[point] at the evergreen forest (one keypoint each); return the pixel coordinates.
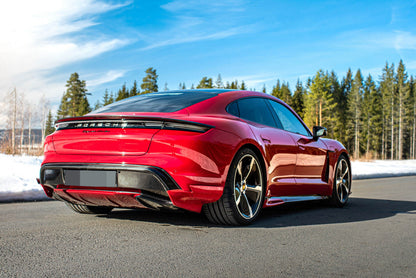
(374, 117)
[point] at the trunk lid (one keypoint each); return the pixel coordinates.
(105, 135)
(115, 135)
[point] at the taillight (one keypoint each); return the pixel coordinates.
(187, 127)
(148, 124)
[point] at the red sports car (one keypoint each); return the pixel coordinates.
(227, 153)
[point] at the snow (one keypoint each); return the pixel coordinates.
(383, 168)
(18, 178)
(18, 175)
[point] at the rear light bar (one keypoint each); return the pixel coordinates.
(183, 126)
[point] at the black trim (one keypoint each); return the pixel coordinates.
(274, 115)
(108, 122)
(326, 176)
(161, 183)
(154, 202)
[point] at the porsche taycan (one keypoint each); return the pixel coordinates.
(225, 153)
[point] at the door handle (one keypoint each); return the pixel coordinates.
(266, 140)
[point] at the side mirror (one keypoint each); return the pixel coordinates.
(318, 131)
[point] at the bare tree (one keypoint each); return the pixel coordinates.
(29, 126)
(12, 118)
(22, 121)
(44, 108)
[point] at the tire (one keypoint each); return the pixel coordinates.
(244, 192)
(89, 209)
(341, 188)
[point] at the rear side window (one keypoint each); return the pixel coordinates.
(232, 108)
(256, 110)
(157, 102)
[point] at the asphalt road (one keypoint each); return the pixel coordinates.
(374, 236)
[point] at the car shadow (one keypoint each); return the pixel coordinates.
(163, 217)
(286, 215)
(318, 213)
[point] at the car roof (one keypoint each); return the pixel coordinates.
(203, 90)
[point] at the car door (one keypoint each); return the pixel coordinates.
(310, 170)
(280, 148)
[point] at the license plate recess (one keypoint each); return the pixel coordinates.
(93, 178)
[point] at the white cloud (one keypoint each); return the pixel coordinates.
(404, 40)
(186, 38)
(108, 77)
(196, 20)
(252, 81)
(398, 40)
(205, 6)
(38, 37)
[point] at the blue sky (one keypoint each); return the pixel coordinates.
(110, 43)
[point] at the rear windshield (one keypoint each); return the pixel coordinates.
(157, 102)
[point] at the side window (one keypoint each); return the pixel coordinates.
(256, 110)
(232, 108)
(289, 121)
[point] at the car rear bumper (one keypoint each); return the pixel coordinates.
(122, 185)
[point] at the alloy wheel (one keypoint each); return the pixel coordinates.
(248, 186)
(343, 180)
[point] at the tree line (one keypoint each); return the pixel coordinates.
(23, 117)
(372, 118)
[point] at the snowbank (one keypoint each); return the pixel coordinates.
(383, 168)
(18, 175)
(18, 178)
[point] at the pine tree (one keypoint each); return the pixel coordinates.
(122, 93)
(264, 89)
(134, 91)
(276, 90)
(298, 99)
(74, 101)
(412, 117)
(234, 85)
(182, 86)
(319, 104)
(166, 87)
(387, 87)
(376, 119)
(282, 92)
(49, 125)
(371, 119)
(149, 84)
(409, 110)
(218, 83)
(97, 105)
(286, 93)
(354, 110)
(335, 90)
(344, 118)
(106, 98)
(243, 86)
(205, 83)
(402, 92)
(111, 98)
